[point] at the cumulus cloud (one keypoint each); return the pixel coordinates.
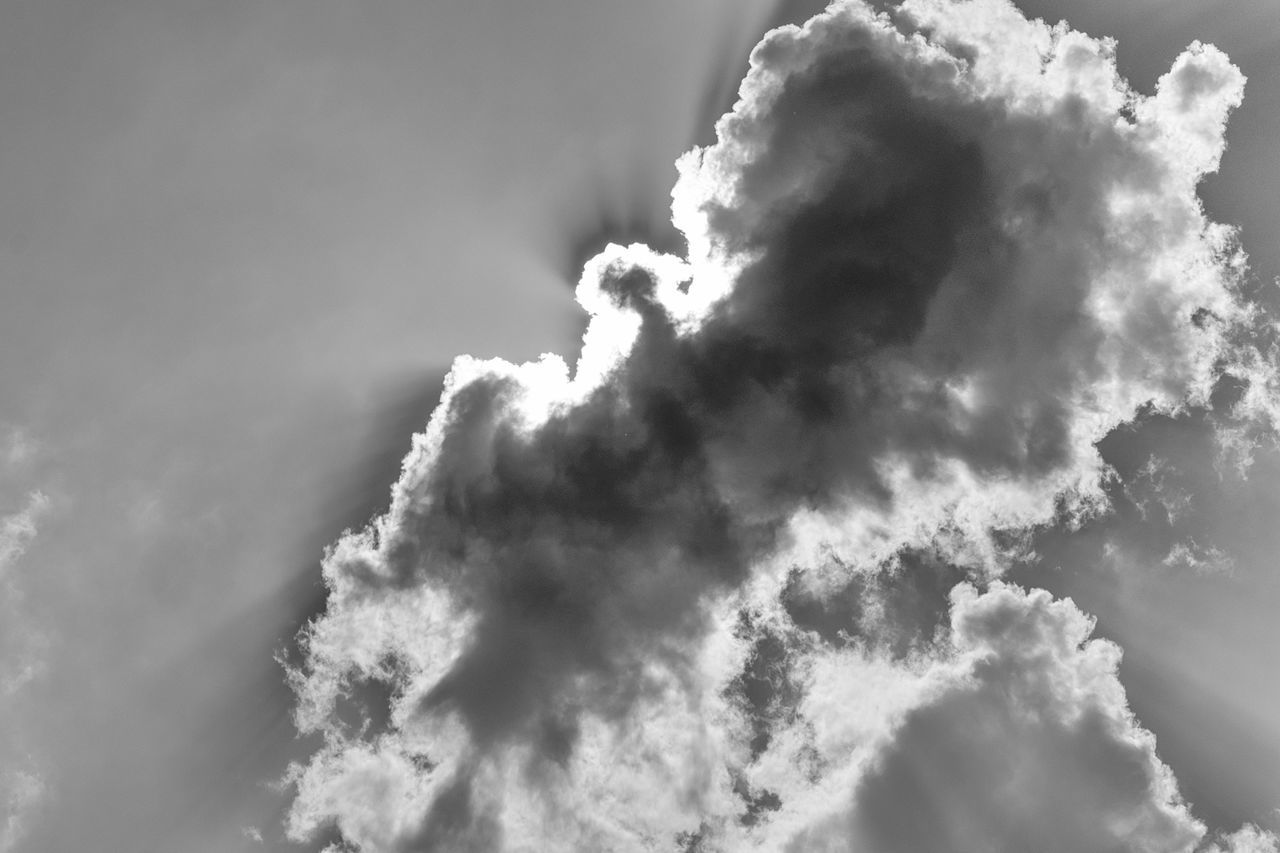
(1025, 744)
(933, 257)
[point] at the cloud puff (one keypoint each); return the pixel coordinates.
(1248, 839)
(16, 532)
(933, 257)
(1029, 745)
(1012, 733)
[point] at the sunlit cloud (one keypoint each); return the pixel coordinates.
(935, 256)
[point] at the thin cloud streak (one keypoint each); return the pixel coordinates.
(23, 786)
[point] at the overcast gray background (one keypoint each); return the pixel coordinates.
(240, 242)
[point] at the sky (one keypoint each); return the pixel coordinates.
(767, 571)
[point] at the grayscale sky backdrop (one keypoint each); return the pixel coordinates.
(240, 242)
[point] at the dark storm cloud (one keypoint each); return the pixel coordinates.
(924, 277)
(578, 546)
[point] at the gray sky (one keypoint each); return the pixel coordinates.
(240, 242)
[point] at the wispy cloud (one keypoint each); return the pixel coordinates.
(21, 784)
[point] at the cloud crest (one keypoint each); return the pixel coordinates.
(1029, 746)
(933, 257)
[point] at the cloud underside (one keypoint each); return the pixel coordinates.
(934, 256)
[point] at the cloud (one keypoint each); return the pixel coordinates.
(1023, 741)
(21, 791)
(21, 785)
(20, 662)
(932, 258)
(1028, 746)
(1248, 839)
(1181, 571)
(1012, 733)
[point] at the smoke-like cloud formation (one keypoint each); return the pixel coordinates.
(21, 643)
(934, 256)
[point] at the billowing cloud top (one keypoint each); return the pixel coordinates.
(933, 257)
